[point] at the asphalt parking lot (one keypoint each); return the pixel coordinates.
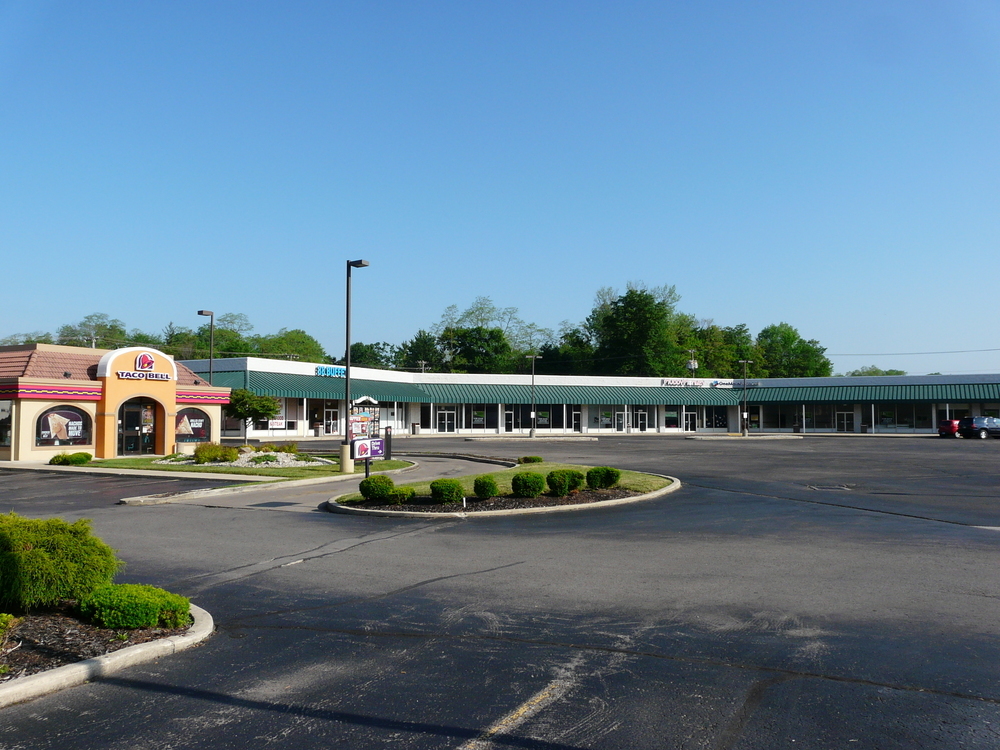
(816, 593)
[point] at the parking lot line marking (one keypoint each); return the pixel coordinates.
(548, 694)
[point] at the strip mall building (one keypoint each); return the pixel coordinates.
(125, 402)
(312, 401)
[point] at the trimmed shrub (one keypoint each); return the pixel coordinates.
(378, 487)
(400, 495)
(70, 459)
(272, 448)
(602, 477)
(486, 487)
(132, 605)
(304, 457)
(530, 460)
(207, 453)
(564, 481)
(527, 484)
(43, 562)
(289, 448)
(264, 458)
(447, 490)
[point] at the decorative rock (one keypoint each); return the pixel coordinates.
(246, 449)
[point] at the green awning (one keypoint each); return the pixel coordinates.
(944, 393)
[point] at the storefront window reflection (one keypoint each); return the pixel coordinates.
(63, 425)
(193, 426)
(5, 423)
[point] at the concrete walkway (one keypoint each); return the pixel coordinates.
(305, 496)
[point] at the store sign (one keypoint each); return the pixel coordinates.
(331, 371)
(360, 425)
(276, 424)
(371, 448)
(143, 370)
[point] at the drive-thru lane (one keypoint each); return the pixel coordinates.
(711, 618)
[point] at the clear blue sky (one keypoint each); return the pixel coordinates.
(832, 165)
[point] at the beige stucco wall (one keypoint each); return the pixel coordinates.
(25, 414)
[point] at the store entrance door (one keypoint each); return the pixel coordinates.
(619, 421)
(690, 421)
(330, 420)
(508, 421)
(137, 428)
(446, 421)
(845, 421)
(640, 421)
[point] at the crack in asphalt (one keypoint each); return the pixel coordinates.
(734, 729)
(700, 661)
(234, 624)
(831, 504)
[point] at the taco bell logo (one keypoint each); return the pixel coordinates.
(144, 362)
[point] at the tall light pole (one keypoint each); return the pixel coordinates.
(211, 343)
(532, 357)
(745, 421)
(346, 462)
(692, 363)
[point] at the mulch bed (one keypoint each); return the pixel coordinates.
(53, 637)
(474, 504)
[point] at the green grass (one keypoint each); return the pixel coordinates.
(263, 470)
(630, 480)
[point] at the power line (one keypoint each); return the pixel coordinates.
(908, 354)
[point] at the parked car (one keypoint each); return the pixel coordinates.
(948, 428)
(980, 427)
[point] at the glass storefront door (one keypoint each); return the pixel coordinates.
(445, 421)
(137, 428)
(619, 421)
(690, 421)
(330, 421)
(845, 421)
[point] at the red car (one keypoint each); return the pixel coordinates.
(948, 428)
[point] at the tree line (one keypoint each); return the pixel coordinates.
(638, 332)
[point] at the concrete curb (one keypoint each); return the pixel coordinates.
(171, 497)
(546, 439)
(332, 506)
(740, 437)
(145, 473)
(37, 685)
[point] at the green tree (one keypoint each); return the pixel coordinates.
(248, 407)
(421, 353)
(34, 337)
(636, 336)
(97, 331)
(290, 344)
(475, 349)
(873, 370)
(786, 354)
(380, 355)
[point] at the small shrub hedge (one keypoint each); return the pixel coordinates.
(272, 448)
(264, 458)
(6, 623)
(530, 460)
(447, 490)
(70, 459)
(527, 484)
(131, 605)
(564, 481)
(208, 453)
(602, 477)
(401, 495)
(45, 561)
(378, 487)
(485, 487)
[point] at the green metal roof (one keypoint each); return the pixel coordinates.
(952, 393)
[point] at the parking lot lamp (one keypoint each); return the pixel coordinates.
(346, 462)
(211, 342)
(745, 420)
(532, 357)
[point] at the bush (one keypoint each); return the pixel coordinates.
(70, 459)
(400, 495)
(43, 562)
(132, 605)
(564, 481)
(305, 457)
(272, 448)
(289, 448)
(530, 460)
(486, 487)
(602, 477)
(527, 484)
(264, 458)
(6, 623)
(447, 490)
(378, 487)
(207, 453)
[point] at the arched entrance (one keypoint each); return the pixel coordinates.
(138, 427)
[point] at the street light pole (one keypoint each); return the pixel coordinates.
(346, 462)
(211, 343)
(745, 415)
(532, 357)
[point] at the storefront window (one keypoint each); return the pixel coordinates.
(63, 425)
(672, 416)
(5, 423)
(193, 426)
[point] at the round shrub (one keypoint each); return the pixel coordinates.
(43, 562)
(602, 477)
(401, 495)
(378, 487)
(447, 490)
(207, 453)
(264, 458)
(530, 460)
(70, 459)
(564, 481)
(527, 484)
(131, 605)
(486, 487)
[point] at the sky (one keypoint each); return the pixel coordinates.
(832, 165)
